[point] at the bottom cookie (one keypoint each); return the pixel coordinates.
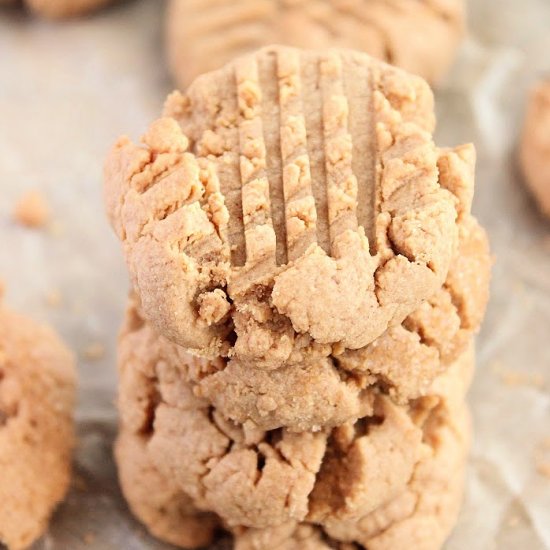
(37, 383)
(388, 481)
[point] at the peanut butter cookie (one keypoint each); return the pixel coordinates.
(419, 36)
(291, 200)
(37, 387)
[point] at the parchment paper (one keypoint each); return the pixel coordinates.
(68, 90)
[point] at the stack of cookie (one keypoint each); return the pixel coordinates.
(307, 280)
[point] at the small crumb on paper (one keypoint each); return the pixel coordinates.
(79, 483)
(32, 210)
(513, 521)
(54, 298)
(542, 458)
(56, 229)
(515, 378)
(94, 351)
(88, 538)
(543, 469)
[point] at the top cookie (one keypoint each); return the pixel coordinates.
(419, 36)
(292, 198)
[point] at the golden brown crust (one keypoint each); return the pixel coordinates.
(236, 223)
(535, 146)
(421, 37)
(37, 387)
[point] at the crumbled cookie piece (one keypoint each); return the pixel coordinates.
(320, 215)
(421, 37)
(94, 351)
(32, 210)
(37, 387)
(535, 145)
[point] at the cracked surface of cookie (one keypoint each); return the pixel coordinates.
(535, 146)
(292, 199)
(245, 475)
(37, 387)
(419, 515)
(394, 474)
(419, 36)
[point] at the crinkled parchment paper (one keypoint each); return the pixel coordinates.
(67, 91)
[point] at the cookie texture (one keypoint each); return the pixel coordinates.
(535, 146)
(290, 200)
(37, 387)
(419, 36)
(393, 474)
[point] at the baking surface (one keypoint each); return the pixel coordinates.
(68, 90)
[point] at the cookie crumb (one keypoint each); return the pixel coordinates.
(542, 458)
(54, 298)
(543, 468)
(94, 351)
(56, 229)
(213, 306)
(88, 538)
(32, 210)
(513, 521)
(515, 378)
(79, 483)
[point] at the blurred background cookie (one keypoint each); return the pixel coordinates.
(60, 9)
(37, 393)
(419, 36)
(535, 145)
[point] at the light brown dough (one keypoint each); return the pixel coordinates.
(291, 200)
(535, 145)
(394, 474)
(419, 36)
(37, 387)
